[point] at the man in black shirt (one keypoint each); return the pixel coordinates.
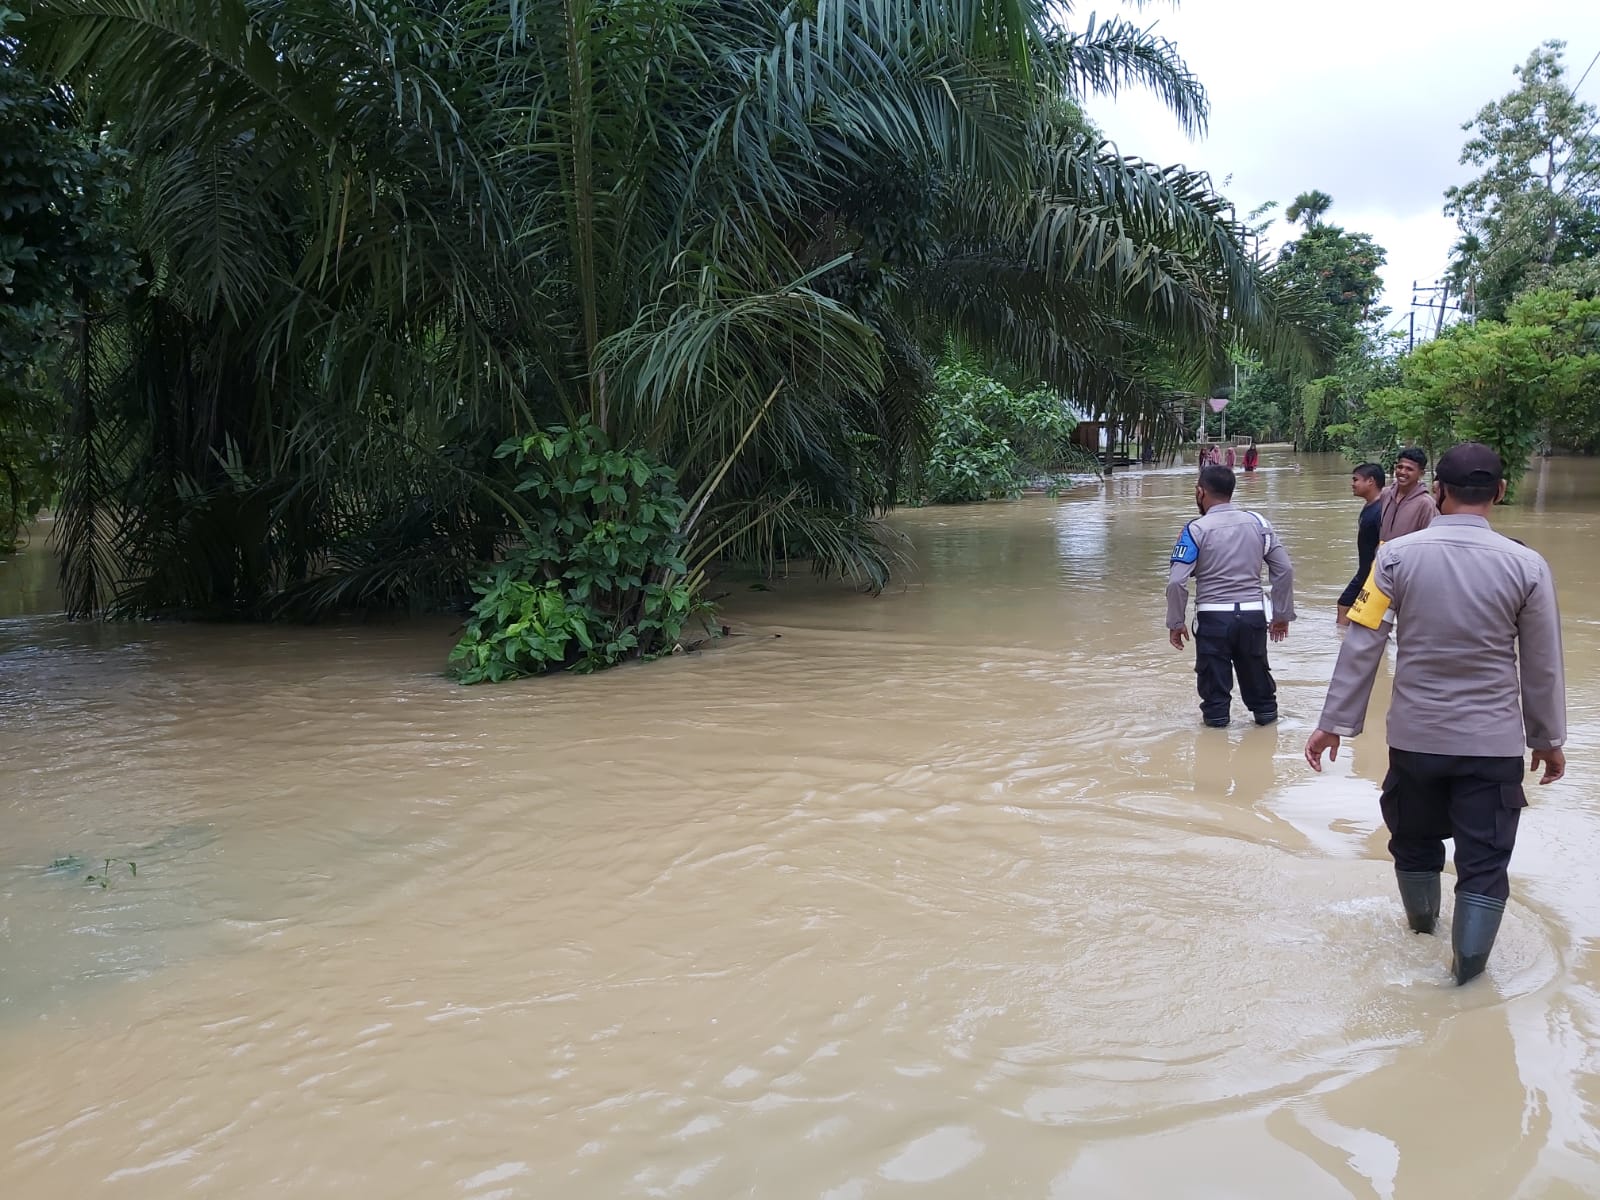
(1366, 482)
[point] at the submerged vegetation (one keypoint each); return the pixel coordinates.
(598, 577)
(101, 878)
(991, 441)
(344, 252)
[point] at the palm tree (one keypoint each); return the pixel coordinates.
(1310, 207)
(374, 242)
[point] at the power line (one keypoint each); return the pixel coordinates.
(1586, 70)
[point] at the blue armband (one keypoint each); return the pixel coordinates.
(1186, 551)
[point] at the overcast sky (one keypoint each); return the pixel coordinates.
(1363, 99)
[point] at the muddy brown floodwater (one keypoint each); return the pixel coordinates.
(940, 894)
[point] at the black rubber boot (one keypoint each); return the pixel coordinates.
(1476, 924)
(1419, 892)
(1266, 718)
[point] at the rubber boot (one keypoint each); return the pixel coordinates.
(1476, 924)
(1419, 892)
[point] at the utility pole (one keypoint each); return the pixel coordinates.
(1441, 287)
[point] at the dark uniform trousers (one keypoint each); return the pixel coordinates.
(1228, 642)
(1477, 801)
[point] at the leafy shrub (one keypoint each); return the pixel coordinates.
(598, 577)
(990, 442)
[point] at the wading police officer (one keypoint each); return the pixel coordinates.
(1223, 550)
(1478, 630)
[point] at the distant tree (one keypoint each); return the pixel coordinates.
(1309, 207)
(1531, 218)
(1341, 270)
(1337, 272)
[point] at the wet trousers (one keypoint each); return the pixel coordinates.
(1226, 643)
(1476, 801)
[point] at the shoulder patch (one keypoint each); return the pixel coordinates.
(1187, 550)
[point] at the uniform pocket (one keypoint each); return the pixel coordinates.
(1512, 801)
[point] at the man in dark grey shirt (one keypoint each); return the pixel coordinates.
(1478, 676)
(1223, 552)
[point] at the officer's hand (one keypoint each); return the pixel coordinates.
(1554, 763)
(1318, 742)
(1178, 637)
(1280, 630)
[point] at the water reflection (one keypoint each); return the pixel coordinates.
(28, 575)
(942, 891)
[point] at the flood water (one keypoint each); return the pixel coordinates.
(939, 894)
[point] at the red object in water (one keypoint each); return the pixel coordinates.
(1251, 457)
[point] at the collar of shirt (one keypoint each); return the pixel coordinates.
(1470, 520)
(1225, 506)
(1400, 497)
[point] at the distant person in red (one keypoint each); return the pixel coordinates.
(1251, 457)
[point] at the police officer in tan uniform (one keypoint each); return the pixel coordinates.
(1223, 551)
(1478, 676)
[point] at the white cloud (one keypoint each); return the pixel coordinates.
(1364, 100)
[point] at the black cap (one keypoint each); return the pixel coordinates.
(1471, 464)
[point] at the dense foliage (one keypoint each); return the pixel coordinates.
(727, 236)
(57, 246)
(1532, 379)
(991, 441)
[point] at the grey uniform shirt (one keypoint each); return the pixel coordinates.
(1224, 551)
(1470, 602)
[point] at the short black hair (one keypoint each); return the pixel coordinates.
(1370, 471)
(1475, 494)
(1415, 454)
(1217, 481)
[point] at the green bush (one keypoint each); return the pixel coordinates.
(990, 442)
(598, 577)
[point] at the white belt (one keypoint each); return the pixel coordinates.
(1241, 606)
